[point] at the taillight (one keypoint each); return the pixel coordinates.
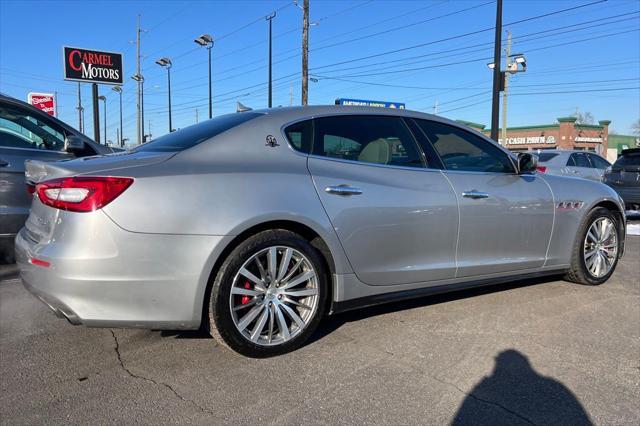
(81, 194)
(541, 169)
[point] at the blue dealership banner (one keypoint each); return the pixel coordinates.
(363, 102)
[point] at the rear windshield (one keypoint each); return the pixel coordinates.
(546, 156)
(628, 159)
(193, 135)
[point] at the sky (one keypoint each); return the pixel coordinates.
(421, 53)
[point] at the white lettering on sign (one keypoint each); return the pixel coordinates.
(583, 139)
(529, 140)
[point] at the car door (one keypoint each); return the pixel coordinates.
(396, 218)
(599, 164)
(506, 219)
(22, 137)
(578, 165)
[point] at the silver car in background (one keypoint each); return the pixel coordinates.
(582, 164)
(255, 225)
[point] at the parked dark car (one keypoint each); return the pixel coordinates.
(26, 133)
(624, 177)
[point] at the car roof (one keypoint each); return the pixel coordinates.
(630, 151)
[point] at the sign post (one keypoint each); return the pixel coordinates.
(93, 66)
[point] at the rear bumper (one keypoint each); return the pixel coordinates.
(109, 277)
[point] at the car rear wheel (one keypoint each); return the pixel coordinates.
(269, 294)
(596, 250)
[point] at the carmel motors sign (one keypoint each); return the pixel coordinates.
(530, 140)
(92, 66)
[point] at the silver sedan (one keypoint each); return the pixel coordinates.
(255, 225)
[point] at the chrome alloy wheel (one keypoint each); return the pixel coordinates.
(274, 295)
(601, 247)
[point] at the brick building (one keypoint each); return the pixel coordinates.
(565, 134)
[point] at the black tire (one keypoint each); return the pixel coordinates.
(220, 322)
(579, 273)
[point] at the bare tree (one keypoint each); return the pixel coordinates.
(635, 127)
(584, 117)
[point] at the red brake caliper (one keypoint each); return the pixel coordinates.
(246, 298)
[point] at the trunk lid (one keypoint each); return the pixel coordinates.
(38, 171)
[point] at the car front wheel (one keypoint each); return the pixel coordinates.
(597, 248)
(269, 294)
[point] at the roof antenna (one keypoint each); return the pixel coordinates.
(242, 108)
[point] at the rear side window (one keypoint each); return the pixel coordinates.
(367, 139)
(300, 136)
(543, 157)
(193, 135)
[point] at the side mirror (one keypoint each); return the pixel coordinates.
(527, 162)
(73, 144)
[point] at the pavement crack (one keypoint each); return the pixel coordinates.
(139, 377)
(485, 401)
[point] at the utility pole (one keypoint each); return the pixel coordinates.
(79, 108)
(435, 107)
(291, 95)
(196, 115)
(497, 74)
(270, 19)
(507, 63)
(118, 140)
(305, 52)
(140, 124)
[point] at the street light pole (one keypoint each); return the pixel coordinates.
(166, 63)
(497, 75)
(104, 102)
(118, 90)
(140, 79)
(205, 40)
(270, 19)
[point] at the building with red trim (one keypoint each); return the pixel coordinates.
(565, 134)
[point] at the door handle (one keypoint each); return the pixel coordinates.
(4, 163)
(475, 194)
(343, 190)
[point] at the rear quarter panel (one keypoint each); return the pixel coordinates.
(224, 186)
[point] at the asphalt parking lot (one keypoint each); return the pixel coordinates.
(536, 352)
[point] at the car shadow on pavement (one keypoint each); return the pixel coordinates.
(334, 322)
(515, 393)
(331, 323)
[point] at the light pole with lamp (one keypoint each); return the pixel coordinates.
(166, 63)
(104, 102)
(118, 90)
(515, 63)
(205, 40)
(139, 78)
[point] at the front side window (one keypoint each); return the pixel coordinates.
(579, 159)
(20, 129)
(461, 150)
(367, 139)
